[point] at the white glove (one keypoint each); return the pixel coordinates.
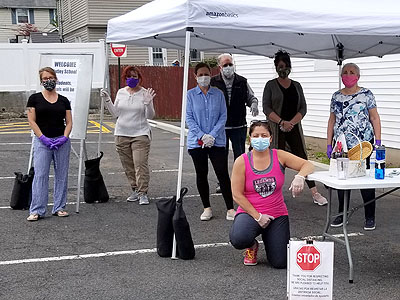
(149, 95)
(297, 185)
(264, 220)
(254, 109)
(105, 94)
(208, 140)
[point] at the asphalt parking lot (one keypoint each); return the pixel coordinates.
(107, 250)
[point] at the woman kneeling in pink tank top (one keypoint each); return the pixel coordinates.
(257, 180)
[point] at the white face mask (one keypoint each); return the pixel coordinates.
(204, 81)
(228, 71)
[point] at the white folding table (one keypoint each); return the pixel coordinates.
(347, 185)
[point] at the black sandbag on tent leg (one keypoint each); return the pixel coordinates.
(94, 188)
(22, 191)
(184, 242)
(165, 229)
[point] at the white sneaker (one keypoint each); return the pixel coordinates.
(319, 199)
(143, 199)
(230, 214)
(206, 215)
(133, 197)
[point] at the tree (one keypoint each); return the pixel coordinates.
(26, 29)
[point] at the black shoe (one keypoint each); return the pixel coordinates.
(218, 189)
(369, 224)
(337, 222)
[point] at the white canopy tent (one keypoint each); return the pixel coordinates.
(334, 30)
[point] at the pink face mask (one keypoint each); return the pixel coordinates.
(349, 80)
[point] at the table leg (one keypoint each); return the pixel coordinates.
(328, 214)
(346, 238)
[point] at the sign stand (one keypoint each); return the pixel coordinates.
(310, 270)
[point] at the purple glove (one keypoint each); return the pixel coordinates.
(378, 142)
(58, 142)
(329, 151)
(46, 141)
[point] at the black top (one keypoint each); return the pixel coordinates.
(290, 101)
(50, 116)
(236, 108)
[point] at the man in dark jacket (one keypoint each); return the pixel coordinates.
(238, 94)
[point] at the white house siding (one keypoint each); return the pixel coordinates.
(80, 35)
(74, 15)
(319, 80)
(8, 30)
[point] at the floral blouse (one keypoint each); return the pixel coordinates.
(352, 116)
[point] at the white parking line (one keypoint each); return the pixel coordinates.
(127, 252)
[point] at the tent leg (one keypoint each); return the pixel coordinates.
(183, 121)
(79, 175)
(105, 86)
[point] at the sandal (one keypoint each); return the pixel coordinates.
(61, 213)
(33, 217)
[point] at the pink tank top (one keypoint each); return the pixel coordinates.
(263, 188)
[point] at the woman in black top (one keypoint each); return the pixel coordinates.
(50, 118)
(285, 106)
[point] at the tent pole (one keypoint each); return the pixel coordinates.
(183, 121)
(105, 86)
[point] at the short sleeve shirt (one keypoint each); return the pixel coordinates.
(50, 117)
(352, 116)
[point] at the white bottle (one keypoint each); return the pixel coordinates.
(372, 160)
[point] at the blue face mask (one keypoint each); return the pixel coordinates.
(260, 144)
(132, 82)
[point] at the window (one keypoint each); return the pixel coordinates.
(53, 16)
(22, 15)
(157, 57)
(195, 55)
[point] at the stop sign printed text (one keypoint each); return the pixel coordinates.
(308, 258)
(118, 50)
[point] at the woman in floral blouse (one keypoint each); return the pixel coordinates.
(353, 112)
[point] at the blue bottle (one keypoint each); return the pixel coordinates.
(380, 162)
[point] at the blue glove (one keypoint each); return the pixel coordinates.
(46, 141)
(378, 142)
(59, 142)
(329, 151)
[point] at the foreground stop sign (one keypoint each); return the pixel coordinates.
(118, 50)
(308, 258)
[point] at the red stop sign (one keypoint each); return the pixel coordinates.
(308, 258)
(118, 50)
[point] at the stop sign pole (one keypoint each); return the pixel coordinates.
(118, 50)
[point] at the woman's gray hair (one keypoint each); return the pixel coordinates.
(352, 65)
(219, 58)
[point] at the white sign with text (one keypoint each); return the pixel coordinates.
(310, 270)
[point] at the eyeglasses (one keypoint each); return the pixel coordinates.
(227, 65)
(258, 121)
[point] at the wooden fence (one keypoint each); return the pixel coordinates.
(166, 81)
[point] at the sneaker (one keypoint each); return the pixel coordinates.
(206, 215)
(218, 189)
(230, 214)
(143, 199)
(319, 199)
(133, 197)
(369, 224)
(250, 256)
(337, 222)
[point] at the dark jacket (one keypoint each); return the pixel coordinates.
(236, 110)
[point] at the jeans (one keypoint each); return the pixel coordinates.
(238, 140)
(276, 236)
(219, 162)
(42, 157)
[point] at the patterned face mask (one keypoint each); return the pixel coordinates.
(49, 84)
(283, 72)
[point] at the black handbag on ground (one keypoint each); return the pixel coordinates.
(184, 242)
(22, 191)
(94, 188)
